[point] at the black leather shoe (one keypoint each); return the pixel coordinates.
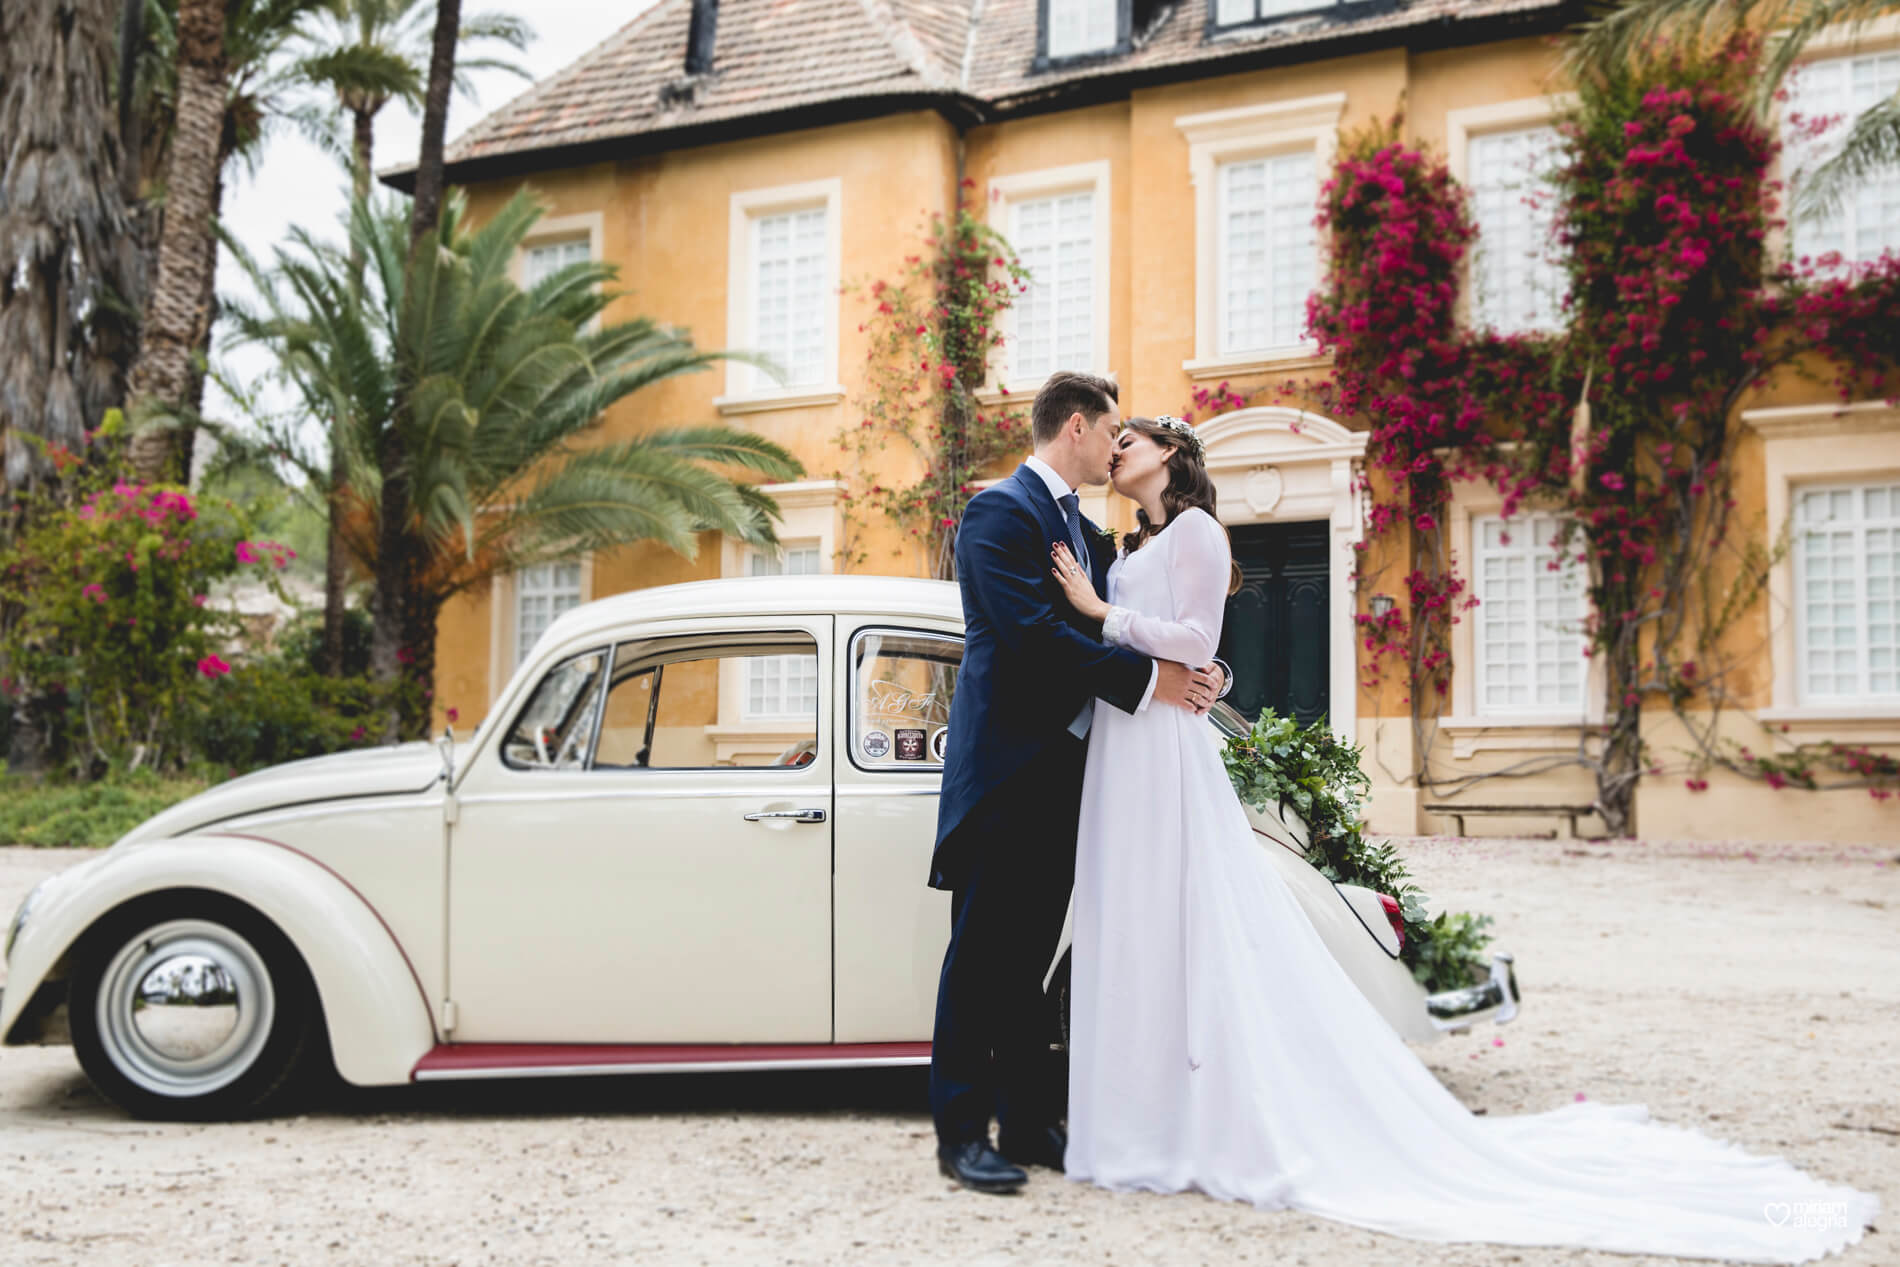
(977, 1166)
(1043, 1147)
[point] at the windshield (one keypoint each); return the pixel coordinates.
(1229, 722)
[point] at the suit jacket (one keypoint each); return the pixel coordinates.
(1030, 661)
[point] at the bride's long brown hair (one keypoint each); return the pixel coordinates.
(1188, 486)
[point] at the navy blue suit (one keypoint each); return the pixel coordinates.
(1006, 819)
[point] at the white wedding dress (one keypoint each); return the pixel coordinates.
(1217, 1045)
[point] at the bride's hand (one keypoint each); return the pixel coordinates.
(1075, 584)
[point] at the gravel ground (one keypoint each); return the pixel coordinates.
(1751, 991)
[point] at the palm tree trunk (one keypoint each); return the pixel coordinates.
(419, 624)
(207, 317)
(396, 557)
(336, 563)
(435, 119)
(162, 375)
(388, 606)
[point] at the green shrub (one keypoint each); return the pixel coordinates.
(274, 709)
(1309, 769)
(110, 634)
(36, 813)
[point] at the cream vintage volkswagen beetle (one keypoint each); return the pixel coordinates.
(691, 835)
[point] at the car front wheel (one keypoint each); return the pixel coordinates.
(192, 1006)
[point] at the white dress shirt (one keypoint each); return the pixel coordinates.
(1058, 489)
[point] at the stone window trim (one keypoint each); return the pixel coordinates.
(1881, 35)
(1465, 724)
(749, 390)
(1245, 132)
(1473, 121)
(1823, 443)
(1095, 176)
(811, 512)
(501, 624)
(590, 226)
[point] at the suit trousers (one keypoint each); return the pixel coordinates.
(991, 1050)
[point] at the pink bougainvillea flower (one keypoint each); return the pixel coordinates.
(96, 592)
(247, 553)
(213, 666)
(453, 716)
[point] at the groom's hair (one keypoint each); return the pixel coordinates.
(1067, 392)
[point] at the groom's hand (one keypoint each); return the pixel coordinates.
(1192, 689)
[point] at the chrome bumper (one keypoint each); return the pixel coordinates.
(1457, 1009)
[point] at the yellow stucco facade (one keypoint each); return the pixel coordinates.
(667, 221)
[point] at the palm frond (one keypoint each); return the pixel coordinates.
(1871, 147)
(728, 446)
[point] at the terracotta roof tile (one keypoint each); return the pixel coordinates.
(773, 55)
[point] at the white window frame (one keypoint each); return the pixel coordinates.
(753, 554)
(590, 226)
(811, 512)
(1522, 523)
(1872, 39)
(1461, 126)
(1051, 53)
(1005, 193)
(1823, 443)
(502, 618)
(1224, 136)
(749, 390)
(1469, 729)
(1862, 692)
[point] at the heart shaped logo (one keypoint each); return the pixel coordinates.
(1777, 1212)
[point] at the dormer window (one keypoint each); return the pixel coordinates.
(1083, 28)
(1225, 15)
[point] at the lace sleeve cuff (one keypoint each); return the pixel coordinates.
(1115, 625)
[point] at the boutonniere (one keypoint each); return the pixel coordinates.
(1108, 537)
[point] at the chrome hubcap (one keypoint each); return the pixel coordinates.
(185, 1007)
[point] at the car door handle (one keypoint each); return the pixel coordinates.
(796, 815)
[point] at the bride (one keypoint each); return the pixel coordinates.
(1217, 1045)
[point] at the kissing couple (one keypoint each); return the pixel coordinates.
(1215, 1043)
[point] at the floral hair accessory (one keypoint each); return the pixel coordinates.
(1190, 438)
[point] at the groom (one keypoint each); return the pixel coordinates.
(1012, 782)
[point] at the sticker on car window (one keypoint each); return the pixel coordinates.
(877, 744)
(910, 745)
(940, 742)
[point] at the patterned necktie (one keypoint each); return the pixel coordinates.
(1072, 512)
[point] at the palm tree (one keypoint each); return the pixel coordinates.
(260, 98)
(368, 53)
(174, 310)
(1869, 145)
(66, 337)
(474, 399)
(426, 210)
(72, 279)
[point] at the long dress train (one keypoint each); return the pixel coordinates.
(1217, 1045)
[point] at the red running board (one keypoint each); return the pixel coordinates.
(544, 1060)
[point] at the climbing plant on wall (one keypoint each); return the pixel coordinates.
(1624, 422)
(931, 332)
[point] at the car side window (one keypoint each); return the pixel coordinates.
(706, 703)
(902, 682)
(556, 729)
